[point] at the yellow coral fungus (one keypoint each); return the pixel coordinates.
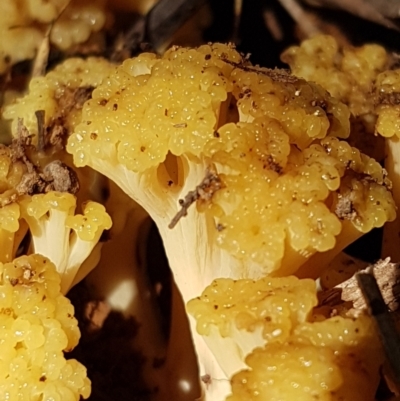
(33, 338)
(348, 74)
(51, 220)
(60, 94)
(335, 359)
(259, 151)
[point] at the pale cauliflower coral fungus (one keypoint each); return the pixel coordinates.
(37, 325)
(280, 185)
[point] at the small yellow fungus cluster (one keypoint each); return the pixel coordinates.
(37, 325)
(387, 88)
(36, 320)
(348, 74)
(289, 355)
(23, 25)
(11, 233)
(66, 239)
(274, 305)
(333, 360)
(60, 94)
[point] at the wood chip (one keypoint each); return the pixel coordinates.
(388, 278)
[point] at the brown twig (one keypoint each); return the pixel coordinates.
(276, 74)
(41, 129)
(204, 191)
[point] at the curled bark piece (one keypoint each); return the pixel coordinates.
(387, 275)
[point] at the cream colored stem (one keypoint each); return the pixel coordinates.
(194, 260)
(194, 264)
